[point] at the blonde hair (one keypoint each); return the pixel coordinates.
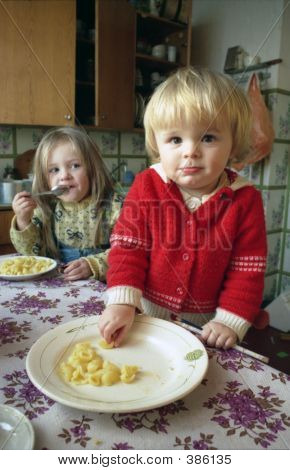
(199, 94)
(101, 185)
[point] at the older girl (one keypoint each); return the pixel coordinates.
(75, 227)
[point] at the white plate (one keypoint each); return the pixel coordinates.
(157, 347)
(16, 431)
(27, 277)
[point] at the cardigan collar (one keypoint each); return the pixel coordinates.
(229, 182)
(233, 180)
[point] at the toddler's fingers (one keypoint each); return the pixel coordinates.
(108, 332)
(211, 339)
(221, 341)
(120, 335)
(230, 342)
(206, 331)
(101, 326)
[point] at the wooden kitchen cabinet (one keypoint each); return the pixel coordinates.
(115, 66)
(5, 222)
(67, 62)
(40, 83)
(37, 56)
(105, 64)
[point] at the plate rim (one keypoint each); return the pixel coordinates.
(23, 419)
(106, 407)
(24, 277)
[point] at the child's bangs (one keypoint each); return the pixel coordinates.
(185, 109)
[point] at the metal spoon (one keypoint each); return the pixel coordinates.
(55, 191)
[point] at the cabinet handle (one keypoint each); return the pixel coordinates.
(67, 117)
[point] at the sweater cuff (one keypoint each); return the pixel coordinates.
(123, 295)
(94, 267)
(29, 228)
(236, 323)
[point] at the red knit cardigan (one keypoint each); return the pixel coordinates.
(191, 261)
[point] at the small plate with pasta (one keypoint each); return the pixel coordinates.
(24, 268)
(166, 360)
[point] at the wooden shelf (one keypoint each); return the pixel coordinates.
(250, 68)
(154, 62)
(156, 20)
(156, 27)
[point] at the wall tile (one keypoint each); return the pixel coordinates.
(273, 80)
(28, 138)
(274, 203)
(111, 163)
(276, 165)
(246, 172)
(252, 173)
(279, 105)
(135, 164)
(132, 144)
(6, 140)
(270, 289)
(274, 252)
(288, 216)
(5, 162)
(286, 263)
(93, 135)
(108, 142)
(256, 172)
(285, 283)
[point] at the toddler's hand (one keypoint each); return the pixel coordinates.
(77, 269)
(115, 322)
(218, 335)
(23, 205)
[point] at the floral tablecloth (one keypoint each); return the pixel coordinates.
(241, 403)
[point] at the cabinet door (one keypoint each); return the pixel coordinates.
(115, 52)
(5, 222)
(37, 57)
(6, 246)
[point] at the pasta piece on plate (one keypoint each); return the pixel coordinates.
(86, 366)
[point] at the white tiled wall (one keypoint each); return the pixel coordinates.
(275, 186)
(132, 144)
(279, 105)
(274, 252)
(271, 285)
(274, 203)
(4, 162)
(6, 141)
(276, 167)
(108, 142)
(28, 138)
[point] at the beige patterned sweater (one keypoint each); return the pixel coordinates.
(74, 226)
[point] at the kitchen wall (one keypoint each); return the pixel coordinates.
(116, 147)
(260, 27)
(220, 24)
